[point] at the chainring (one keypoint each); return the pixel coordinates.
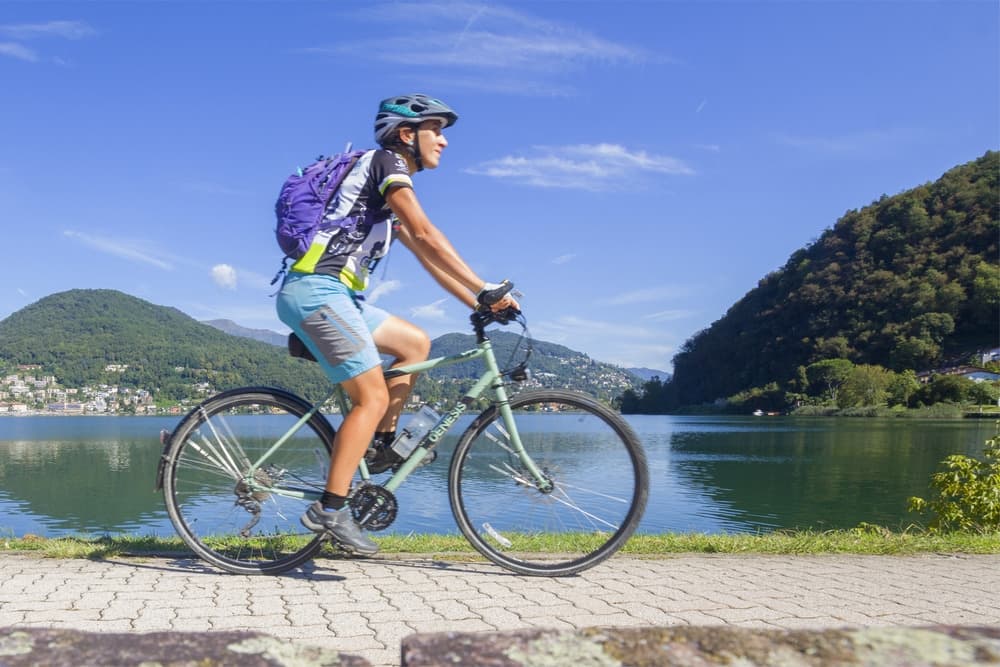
(374, 507)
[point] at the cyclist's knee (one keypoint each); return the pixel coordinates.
(368, 392)
(421, 345)
(407, 342)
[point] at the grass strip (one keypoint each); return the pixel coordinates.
(867, 540)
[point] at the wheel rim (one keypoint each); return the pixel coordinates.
(598, 486)
(240, 522)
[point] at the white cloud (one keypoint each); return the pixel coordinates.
(583, 166)
(621, 343)
(669, 315)
(501, 84)
(63, 29)
(432, 311)
(29, 31)
(383, 288)
(492, 47)
(18, 51)
(135, 251)
(564, 259)
(224, 276)
(487, 36)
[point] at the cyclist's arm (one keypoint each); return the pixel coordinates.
(446, 281)
(428, 243)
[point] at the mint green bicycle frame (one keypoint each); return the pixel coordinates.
(491, 378)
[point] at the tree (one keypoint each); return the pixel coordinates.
(946, 388)
(652, 400)
(866, 385)
(902, 387)
(826, 377)
(985, 393)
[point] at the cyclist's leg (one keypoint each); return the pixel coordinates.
(369, 400)
(327, 317)
(408, 344)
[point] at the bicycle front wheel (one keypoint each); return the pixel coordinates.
(569, 502)
(243, 522)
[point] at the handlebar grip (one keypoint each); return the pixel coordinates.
(490, 297)
(506, 316)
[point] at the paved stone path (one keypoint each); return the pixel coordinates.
(366, 607)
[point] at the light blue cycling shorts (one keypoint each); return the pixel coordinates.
(333, 322)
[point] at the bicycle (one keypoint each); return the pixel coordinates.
(240, 468)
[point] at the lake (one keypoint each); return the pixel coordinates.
(94, 475)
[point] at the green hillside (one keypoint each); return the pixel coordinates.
(909, 282)
(552, 365)
(88, 338)
(76, 335)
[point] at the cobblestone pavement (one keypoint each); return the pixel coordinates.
(366, 607)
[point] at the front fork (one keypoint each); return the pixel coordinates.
(502, 403)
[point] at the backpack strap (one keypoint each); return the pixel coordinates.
(340, 181)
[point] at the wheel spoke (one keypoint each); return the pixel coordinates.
(243, 522)
(590, 499)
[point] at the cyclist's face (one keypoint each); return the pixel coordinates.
(430, 134)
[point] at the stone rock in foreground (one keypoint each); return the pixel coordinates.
(28, 647)
(708, 646)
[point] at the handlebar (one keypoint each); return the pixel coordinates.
(490, 297)
(485, 315)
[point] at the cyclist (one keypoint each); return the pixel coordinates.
(320, 298)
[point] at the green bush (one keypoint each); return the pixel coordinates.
(966, 493)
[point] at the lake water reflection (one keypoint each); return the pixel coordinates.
(94, 475)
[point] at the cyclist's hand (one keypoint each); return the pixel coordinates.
(493, 295)
(507, 303)
(499, 299)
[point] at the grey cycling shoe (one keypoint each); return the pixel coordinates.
(341, 527)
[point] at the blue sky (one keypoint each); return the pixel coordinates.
(635, 167)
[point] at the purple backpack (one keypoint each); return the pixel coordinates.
(304, 199)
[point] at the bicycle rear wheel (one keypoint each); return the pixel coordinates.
(244, 524)
(595, 489)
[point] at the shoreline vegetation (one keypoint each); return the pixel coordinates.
(937, 411)
(864, 540)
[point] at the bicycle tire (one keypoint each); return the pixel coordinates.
(206, 463)
(598, 474)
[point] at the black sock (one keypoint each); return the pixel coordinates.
(331, 501)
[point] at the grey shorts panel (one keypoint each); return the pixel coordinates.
(337, 340)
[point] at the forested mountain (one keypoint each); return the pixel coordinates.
(907, 282)
(95, 337)
(77, 335)
(551, 365)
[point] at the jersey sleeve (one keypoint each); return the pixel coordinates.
(389, 170)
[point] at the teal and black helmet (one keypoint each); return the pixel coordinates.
(408, 109)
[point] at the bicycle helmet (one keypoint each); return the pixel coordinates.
(411, 109)
(414, 108)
